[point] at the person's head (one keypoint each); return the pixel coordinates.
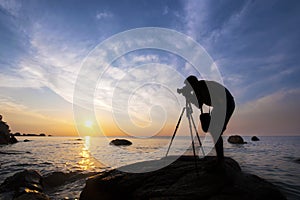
(191, 80)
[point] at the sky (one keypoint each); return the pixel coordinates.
(44, 45)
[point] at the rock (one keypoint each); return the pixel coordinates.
(25, 182)
(32, 196)
(119, 142)
(180, 180)
(254, 138)
(26, 140)
(5, 136)
(12, 139)
(236, 139)
(4, 133)
(55, 179)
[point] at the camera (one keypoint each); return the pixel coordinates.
(185, 91)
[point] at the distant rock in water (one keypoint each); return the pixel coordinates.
(26, 140)
(180, 180)
(254, 138)
(5, 136)
(120, 142)
(236, 139)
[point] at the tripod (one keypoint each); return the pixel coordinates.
(189, 111)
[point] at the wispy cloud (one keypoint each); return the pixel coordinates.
(11, 6)
(103, 15)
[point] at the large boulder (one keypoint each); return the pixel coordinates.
(254, 138)
(5, 136)
(23, 185)
(236, 139)
(120, 142)
(180, 180)
(4, 133)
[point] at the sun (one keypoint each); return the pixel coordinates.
(88, 123)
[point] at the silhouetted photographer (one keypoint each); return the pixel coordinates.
(221, 106)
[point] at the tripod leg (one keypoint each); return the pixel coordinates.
(177, 125)
(197, 135)
(191, 132)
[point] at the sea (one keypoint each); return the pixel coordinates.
(274, 158)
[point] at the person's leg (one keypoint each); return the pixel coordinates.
(229, 111)
(219, 149)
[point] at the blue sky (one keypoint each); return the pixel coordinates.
(256, 45)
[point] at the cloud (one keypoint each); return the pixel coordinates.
(166, 10)
(250, 42)
(104, 15)
(11, 6)
(275, 114)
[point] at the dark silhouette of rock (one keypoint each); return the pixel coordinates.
(30, 185)
(254, 138)
(120, 142)
(32, 196)
(5, 136)
(236, 139)
(23, 185)
(26, 140)
(17, 134)
(4, 133)
(180, 180)
(34, 135)
(55, 179)
(12, 139)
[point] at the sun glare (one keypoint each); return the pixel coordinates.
(88, 123)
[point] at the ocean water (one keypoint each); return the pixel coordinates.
(275, 159)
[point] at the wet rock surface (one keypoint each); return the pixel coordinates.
(23, 185)
(31, 185)
(181, 180)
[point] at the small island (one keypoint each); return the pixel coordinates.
(31, 134)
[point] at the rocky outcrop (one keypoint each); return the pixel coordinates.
(30, 185)
(236, 139)
(23, 185)
(5, 136)
(120, 142)
(181, 180)
(12, 139)
(254, 138)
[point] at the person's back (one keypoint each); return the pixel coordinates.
(212, 93)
